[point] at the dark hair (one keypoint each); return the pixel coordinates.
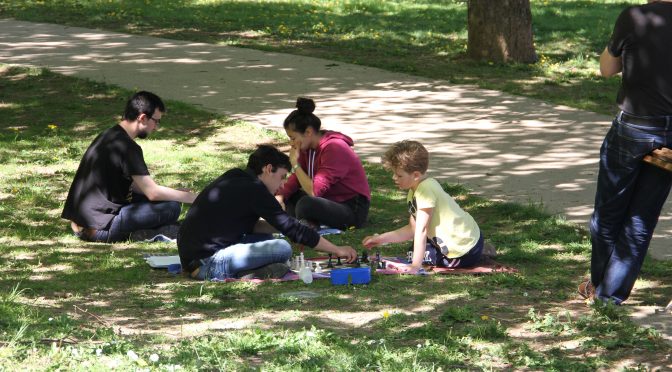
(143, 103)
(409, 156)
(300, 119)
(267, 154)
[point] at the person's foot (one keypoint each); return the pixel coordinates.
(271, 271)
(166, 233)
(586, 290)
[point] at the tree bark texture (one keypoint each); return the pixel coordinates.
(500, 31)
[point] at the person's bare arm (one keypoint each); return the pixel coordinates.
(610, 65)
(301, 175)
(155, 192)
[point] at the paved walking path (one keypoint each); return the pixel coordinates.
(502, 146)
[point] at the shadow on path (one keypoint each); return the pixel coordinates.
(502, 146)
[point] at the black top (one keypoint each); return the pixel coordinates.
(643, 37)
(102, 184)
(227, 209)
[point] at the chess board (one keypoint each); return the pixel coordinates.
(323, 261)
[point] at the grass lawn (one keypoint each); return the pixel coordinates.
(424, 37)
(71, 305)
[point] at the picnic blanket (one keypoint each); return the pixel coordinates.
(394, 266)
(486, 266)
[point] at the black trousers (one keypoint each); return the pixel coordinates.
(321, 211)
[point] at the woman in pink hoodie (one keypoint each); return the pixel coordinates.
(328, 185)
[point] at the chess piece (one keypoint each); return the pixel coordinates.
(409, 256)
(329, 263)
(365, 257)
(318, 268)
(357, 263)
(306, 275)
(338, 262)
(378, 256)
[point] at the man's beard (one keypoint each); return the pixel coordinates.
(143, 134)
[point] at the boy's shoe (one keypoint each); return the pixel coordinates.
(586, 290)
(271, 271)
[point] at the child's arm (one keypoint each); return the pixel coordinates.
(399, 235)
(422, 218)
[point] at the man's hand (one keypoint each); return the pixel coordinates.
(348, 253)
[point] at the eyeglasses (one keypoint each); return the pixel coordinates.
(157, 121)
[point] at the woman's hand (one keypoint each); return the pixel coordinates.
(294, 155)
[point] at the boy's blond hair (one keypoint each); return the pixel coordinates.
(409, 156)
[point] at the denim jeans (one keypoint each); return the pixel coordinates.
(630, 195)
(140, 214)
(321, 211)
(229, 261)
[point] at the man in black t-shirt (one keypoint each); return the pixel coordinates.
(630, 194)
(223, 236)
(112, 196)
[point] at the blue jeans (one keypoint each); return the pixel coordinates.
(630, 195)
(253, 252)
(140, 214)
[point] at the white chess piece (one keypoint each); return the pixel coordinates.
(318, 268)
(306, 275)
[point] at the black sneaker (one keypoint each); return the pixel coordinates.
(166, 233)
(271, 271)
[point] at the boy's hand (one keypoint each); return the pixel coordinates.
(348, 253)
(371, 241)
(415, 270)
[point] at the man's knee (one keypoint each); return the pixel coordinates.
(284, 248)
(172, 210)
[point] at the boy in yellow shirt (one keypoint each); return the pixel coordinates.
(442, 232)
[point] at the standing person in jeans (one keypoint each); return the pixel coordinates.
(630, 194)
(223, 236)
(329, 185)
(112, 197)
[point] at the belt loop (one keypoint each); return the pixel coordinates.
(619, 116)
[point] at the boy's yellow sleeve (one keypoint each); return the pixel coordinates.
(424, 196)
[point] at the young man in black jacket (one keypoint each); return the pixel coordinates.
(223, 235)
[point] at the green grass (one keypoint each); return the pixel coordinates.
(426, 38)
(71, 305)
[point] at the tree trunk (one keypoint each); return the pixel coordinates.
(500, 31)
